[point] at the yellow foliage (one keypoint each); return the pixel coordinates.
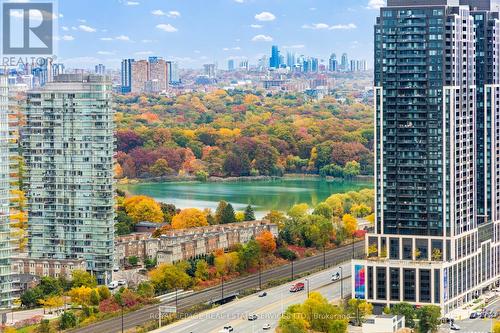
(52, 302)
(189, 218)
(80, 295)
(143, 208)
(226, 263)
(350, 223)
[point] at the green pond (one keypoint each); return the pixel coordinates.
(264, 195)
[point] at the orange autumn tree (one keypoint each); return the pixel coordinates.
(143, 208)
(266, 241)
(189, 218)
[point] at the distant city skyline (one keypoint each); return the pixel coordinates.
(235, 29)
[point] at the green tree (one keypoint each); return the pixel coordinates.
(133, 261)
(352, 169)
(228, 215)
(44, 327)
(292, 321)
(104, 292)
(201, 270)
(323, 210)
(219, 211)
(167, 277)
(146, 289)
(407, 310)
(83, 278)
(359, 309)
(298, 211)
(68, 320)
(50, 286)
(249, 255)
(30, 297)
(94, 297)
(428, 318)
(249, 213)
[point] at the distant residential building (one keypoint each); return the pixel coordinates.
(230, 65)
(100, 69)
(210, 70)
(69, 171)
(290, 59)
(158, 73)
(177, 245)
(126, 75)
(44, 267)
(140, 75)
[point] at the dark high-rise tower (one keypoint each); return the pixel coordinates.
(274, 61)
(437, 140)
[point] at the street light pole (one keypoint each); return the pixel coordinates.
(260, 276)
(292, 269)
(122, 318)
(341, 282)
(324, 257)
(352, 246)
(307, 280)
(222, 287)
(176, 297)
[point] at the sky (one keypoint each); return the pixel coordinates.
(194, 32)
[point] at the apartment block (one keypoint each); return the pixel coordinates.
(437, 145)
(68, 148)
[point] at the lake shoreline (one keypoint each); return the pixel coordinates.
(213, 179)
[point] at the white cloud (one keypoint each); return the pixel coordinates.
(132, 3)
(68, 38)
(236, 48)
(349, 26)
(296, 46)
(313, 9)
(86, 28)
(256, 26)
(105, 52)
(239, 1)
(324, 26)
(82, 20)
(123, 38)
(375, 4)
(139, 53)
(65, 28)
(158, 12)
(166, 27)
(106, 38)
(174, 14)
(265, 16)
(147, 41)
(262, 38)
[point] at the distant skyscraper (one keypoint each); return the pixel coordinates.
(344, 62)
(274, 61)
(314, 65)
(353, 67)
(210, 70)
(332, 63)
(290, 59)
(126, 75)
(69, 172)
(57, 69)
(100, 69)
(5, 187)
(230, 65)
(173, 72)
(244, 65)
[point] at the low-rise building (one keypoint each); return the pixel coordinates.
(177, 245)
(47, 267)
(383, 324)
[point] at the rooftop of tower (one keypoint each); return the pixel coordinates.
(493, 5)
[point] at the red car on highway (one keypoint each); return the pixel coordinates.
(297, 287)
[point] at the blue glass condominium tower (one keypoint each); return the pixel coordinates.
(68, 147)
(437, 144)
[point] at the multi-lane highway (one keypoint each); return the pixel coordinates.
(267, 309)
(137, 318)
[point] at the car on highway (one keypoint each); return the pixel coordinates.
(252, 317)
(454, 327)
(336, 276)
(474, 315)
(113, 284)
(263, 294)
(266, 327)
(297, 287)
(227, 329)
(121, 282)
